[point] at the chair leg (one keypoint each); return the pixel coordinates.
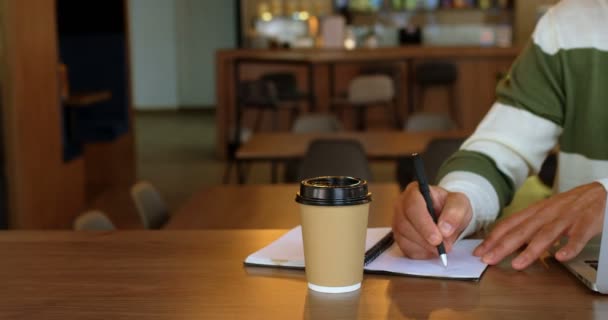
(392, 106)
(453, 103)
(240, 175)
(258, 120)
(340, 112)
(275, 119)
(293, 114)
(361, 115)
(421, 97)
(414, 99)
(273, 172)
(227, 170)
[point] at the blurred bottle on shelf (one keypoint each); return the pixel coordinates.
(332, 31)
(485, 4)
(446, 4)
(411, 34)
(459, 4)
(397, 5)
(371, 40)
(503, 4)
(350, 41)
(431, 5)
(411, 5)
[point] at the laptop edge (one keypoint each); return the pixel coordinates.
(602, 266)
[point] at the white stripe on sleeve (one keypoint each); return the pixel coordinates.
(481, 194)
(517, 140)
(573, 24)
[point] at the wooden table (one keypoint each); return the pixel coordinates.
(264, 207)
(200, 275)
(379, 145)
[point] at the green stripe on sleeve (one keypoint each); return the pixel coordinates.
(484, 166)
(586, 84)
(534, 83)
(568, 88)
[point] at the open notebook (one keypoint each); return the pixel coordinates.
(382, 256)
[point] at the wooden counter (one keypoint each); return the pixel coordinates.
(327, 72)
(200, 275)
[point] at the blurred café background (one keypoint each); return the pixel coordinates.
(138, 113)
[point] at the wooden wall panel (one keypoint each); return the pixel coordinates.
(109, 165)
(44, 192)
(526, 18)
(475, 90)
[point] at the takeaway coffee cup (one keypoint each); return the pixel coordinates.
(334, 211)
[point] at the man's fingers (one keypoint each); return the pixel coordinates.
(415, 231)
(407, 237)
(578, 236)
(539, 244)
(571, 249)
(405, 229)
(516, 237)
(455, 215)
(503, 228)
(412, 250)
(426, 227)
(415, 211)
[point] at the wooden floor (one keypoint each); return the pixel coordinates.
(175, 152)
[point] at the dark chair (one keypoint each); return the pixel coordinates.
(288, 97)
(425, 121)
(309, 123)
(335, 157)
(316, 122)
(287, 93)
(93, 220)
(434, 74)
(436, 153)
(254, 95)
(258, 96)
(150, 205)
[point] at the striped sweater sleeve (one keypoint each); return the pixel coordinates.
(514, 138)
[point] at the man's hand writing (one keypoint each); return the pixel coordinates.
(414, 230)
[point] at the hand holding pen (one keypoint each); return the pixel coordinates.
(415, 231)
(423, 186)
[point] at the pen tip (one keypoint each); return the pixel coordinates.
(444, 260)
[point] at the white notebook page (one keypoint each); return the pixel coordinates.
(461, 263)
(288, 251)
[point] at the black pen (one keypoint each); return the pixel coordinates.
(378, 248)
(423, 186)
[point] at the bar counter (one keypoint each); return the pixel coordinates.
(326, 73)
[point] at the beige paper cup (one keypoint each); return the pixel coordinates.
(334, 213)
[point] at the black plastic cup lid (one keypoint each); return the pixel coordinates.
(333, 191)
